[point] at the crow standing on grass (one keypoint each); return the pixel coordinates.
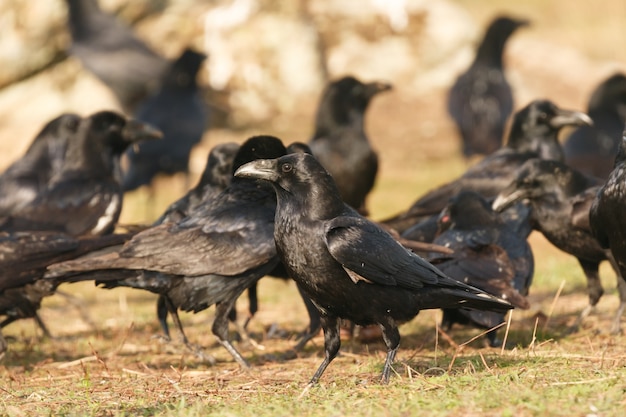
(178, 111)
(592, 149)
(490, 253)
(480, 101)
(340, 142)
(560, 199)
(25, 178)
(210, 257)
(85, 197)
(534, 134)
(111, 51)
(350, 267)
(608, 221)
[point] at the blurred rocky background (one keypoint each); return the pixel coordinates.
(269, 60)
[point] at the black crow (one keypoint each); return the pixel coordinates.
(25, 178)
(218, 172)
(24, 257)
(178, 111)
(349, 266)
(340, 142)
(210, 257)
(534, 134)
(480, 101)
(608, 224)
(560, 198)
(85, 197)
(592, 149)
(111, 51)
(490, 253)
(216, 176)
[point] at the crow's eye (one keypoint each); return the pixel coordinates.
(286, 167)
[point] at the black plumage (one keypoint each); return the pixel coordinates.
(209, 257)
(480, 100)
(24, 257)
(608, 223)
(490, 253)
(560, 199)
(340, 142)
(85, 197)
(25, 178)
(592, 149)
(216, 176)
(110, 50)
(350, 267)
(534, 134)
(178, 111)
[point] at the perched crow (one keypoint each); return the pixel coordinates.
(216, 176)
(24, 257)
(480, 101)
(608, 223)
(490, 253)
(178, 111)
(534, 134)
(85, 197)
(111, 51)
(210, 257)
(21, 182)
(592, 149)
(340, 142)
(560, 199)
(350, 267)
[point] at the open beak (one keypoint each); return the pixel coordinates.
(570, 118)
(262, 169)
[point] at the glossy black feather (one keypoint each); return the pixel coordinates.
(350, 267)
(490, 253)
(608, 222)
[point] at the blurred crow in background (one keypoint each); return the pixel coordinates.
(111, 51)
(480, 101)
(25, 178)
(350, 267)
(85, 196)
(340, 143)
(534, 134)
(178, 111)
(560, 199)
(592, 149)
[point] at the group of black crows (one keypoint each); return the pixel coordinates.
(297, 211)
